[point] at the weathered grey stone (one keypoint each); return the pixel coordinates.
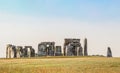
(58, 51)
(32, 52)
(109, 52)
(81, 51)
(85, 47)
(72, 47)
(46, 49)
(28, 51)
(42, 51)
(10, 51)
(19, 51)
(69, 51)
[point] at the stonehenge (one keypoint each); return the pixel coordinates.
(71, 47)
(109, 52)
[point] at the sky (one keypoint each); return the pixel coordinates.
(29, 22)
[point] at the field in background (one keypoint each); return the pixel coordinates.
(61, 65)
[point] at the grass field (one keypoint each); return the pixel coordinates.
(61, 65)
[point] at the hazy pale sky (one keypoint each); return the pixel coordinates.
(29, 22)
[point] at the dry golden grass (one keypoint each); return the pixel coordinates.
(61, 65)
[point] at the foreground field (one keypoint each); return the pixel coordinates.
(61, 65)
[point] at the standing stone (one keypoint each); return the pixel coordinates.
(46, 49)
(72, 47)
(81, 51)
(109, 52)
(58, 51)
(26, 51)
(69, 51)
(42, 50)
(32, 52)
(10, 51)
(29, 51)
(85, 47)
(19, 51)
